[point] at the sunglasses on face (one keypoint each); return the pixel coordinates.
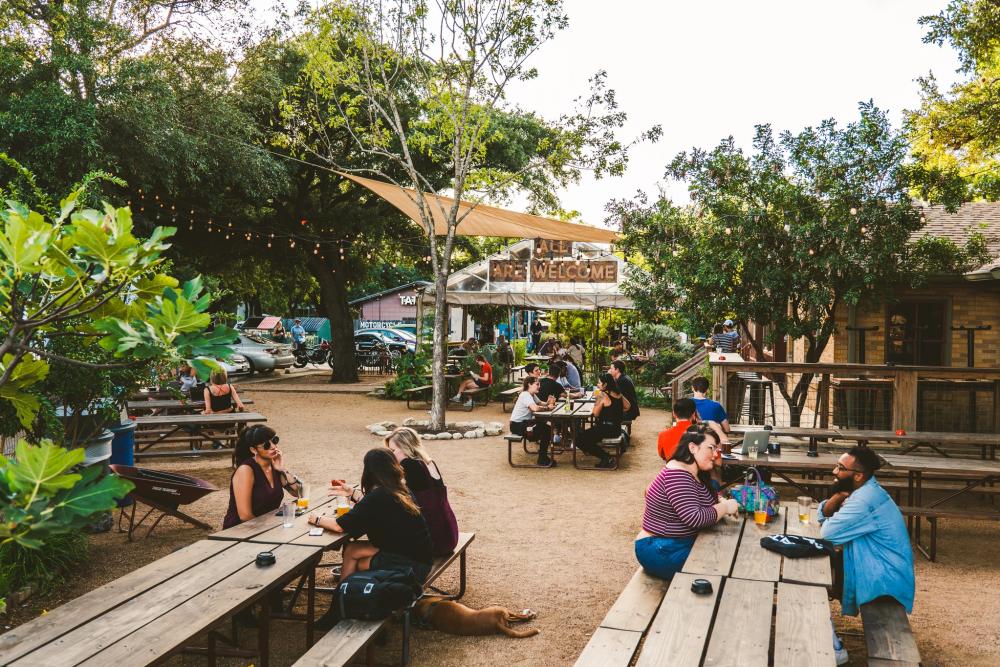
(267, 444)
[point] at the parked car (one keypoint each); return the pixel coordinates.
(367, 339)
(263, 355)
(393, 338)
(237, 364)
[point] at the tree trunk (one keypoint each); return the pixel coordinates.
(439, 402)
(333, 300)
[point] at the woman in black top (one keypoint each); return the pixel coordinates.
(387, 513)
(608, 410)
(258, 485)
(220, 396)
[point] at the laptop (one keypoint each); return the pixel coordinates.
(755, 440)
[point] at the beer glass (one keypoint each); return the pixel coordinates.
(288, 515)
(343, 507)
(805, 503)
(303, 500)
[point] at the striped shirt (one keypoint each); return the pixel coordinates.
(678, 505)
(723, 342)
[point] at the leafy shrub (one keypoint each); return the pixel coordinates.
(520, 350)
(665, 350)
(410, 372)
(44, 568)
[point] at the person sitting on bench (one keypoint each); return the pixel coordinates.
(861, 516)
(398, 537)
(569, 377)
(258, 485)
(474, 381)
(685, 414)
(220, 396)
(608, 410)
(681, 501)
(521, 417)
(708, 410)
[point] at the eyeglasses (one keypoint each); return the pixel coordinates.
(838, 466)
(267, 444)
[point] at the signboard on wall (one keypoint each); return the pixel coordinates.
(554, 271)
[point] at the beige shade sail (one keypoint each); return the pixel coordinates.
(483, 220)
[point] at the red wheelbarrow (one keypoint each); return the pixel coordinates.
(163, 491)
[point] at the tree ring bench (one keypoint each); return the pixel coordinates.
(351, 635)
(422, 392)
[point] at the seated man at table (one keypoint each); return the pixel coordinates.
(685, 414)
(708, 410)
(860, 515)
(550, 384)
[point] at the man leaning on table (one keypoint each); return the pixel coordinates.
(860, 516)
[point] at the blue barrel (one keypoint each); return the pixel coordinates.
(123, 450)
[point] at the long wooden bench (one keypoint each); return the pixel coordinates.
(418, 392)
(512, 370)
(617, 638)
(932, 514)
(888, 635)
(469, 396)
(509, 396)
(351, 635)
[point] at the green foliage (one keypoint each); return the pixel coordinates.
(42, 496)
(44, 568)
(956, 133)
(411, 370)
(665, 352)
(934, 256)
(520, 347)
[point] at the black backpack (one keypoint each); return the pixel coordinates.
(375, 594)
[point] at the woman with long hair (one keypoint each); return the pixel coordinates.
(259, 482)
(680, 502)
(522, 416)
(424, 480)
(220, 396)
(609, 407)
(388, 514)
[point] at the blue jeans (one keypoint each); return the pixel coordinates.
(663, 557)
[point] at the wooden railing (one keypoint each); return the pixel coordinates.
(902, 387)
(686, 372)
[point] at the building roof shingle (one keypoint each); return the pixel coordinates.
(983, 217)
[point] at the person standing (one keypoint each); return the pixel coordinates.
(298, 334)
(536, 334)
(576, 352)
(721, 341)
(729, 329)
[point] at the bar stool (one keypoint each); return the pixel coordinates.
(760, 388)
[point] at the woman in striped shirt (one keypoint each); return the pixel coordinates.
(679, 503)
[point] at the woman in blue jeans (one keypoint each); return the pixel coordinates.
(679, 503)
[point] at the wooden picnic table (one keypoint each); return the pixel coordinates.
(574, 418)
(153, 612)
(913, 439)
(269, 529)
(790, 460)
(732, 625)
(169, 406)
(156, 429)
(976, 472)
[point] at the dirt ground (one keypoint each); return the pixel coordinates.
(556, 541)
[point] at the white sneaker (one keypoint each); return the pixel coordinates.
(468, 403)
(841, 655)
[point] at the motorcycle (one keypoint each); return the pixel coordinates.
(317, 355)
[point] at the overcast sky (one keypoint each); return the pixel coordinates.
(708, 69)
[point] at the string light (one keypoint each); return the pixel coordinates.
(811, 251)
(728, 230)
(854, 211)
(864, 230)
(788, 227)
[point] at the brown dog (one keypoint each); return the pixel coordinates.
(454, 618)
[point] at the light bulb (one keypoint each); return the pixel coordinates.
(854, 211)
(728, 230)
(788, 228)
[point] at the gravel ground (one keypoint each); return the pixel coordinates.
(556, 541)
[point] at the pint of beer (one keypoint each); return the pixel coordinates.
(303, 500)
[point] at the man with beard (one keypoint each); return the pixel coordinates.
(860, 516)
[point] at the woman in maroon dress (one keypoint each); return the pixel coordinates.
(259, 483)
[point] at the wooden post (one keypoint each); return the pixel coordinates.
(720, 377)
(904, 400)
(824, 401)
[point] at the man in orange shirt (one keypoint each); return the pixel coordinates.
(685, 414)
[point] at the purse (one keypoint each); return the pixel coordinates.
(754, 493)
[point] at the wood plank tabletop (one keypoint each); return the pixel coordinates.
(635, 607)
(161, 404)
(678, 634)
(173, 629)
(298, 533)
(752, 560)
(742, 631)
(61, 620)
(265, 522)
(802, 627)
(815, 571)
(214, 419)
(789, 459)
(715, 548)
(949, 438)
(940, 464)
(609, 647)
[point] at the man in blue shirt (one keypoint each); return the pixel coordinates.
(298, 334)
(708, 410)
(860, 516)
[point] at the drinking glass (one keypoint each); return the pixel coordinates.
(760, 510)
(805, 503)
(303, 500)
(288, 515)
(343, 507)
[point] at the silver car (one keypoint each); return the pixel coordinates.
(263, 355)
(236, 365)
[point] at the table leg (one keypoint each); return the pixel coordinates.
(909, 499)
(310, 606)
(264, 631)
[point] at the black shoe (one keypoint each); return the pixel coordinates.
(606, 463)
(547, 462)
(329, 619)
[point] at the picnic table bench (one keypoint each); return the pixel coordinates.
(987, 442)
(888, 635)
(512, 370)
(423, 392)
(509, 396)
(350, 636)
(155, 611)
(469, 396)
(193, 430)
(169, 406)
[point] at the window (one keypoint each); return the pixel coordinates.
(917, 333)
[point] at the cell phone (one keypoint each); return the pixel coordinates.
(315, 532)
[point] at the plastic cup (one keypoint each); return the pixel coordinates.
(760, 517)
(288, 515)
(303, 500)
